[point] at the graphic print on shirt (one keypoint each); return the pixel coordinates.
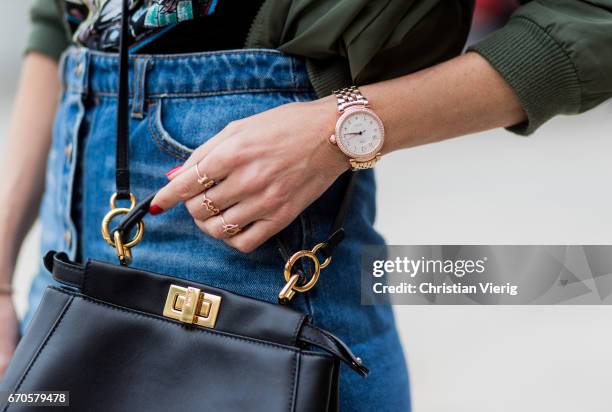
(97, 22)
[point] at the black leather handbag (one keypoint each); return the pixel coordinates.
(122, 339)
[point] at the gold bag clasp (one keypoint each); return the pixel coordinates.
(191, 305)
(291, 279)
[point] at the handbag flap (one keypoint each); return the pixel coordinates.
(152, 293)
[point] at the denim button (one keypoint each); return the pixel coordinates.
(68, 152)
(78, 69)
(68, 237)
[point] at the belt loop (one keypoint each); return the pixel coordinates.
(80, 71)
(141, 66)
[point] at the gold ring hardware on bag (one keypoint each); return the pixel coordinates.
(191, 305)
(113, 201)
(123, 249)
(291, 287)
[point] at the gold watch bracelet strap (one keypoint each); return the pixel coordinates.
(349, 96)
(362, 165)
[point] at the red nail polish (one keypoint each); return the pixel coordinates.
(155, 210)
(174, 169)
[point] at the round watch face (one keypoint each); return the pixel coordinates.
(360, 133)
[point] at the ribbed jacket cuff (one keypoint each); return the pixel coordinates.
(537, 68)
(328, 75)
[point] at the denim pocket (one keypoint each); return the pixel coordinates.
(162, 137)
(178, 125)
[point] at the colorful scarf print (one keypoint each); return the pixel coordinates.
(97, 22)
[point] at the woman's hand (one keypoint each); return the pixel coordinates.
(267, 168)
(8, 331)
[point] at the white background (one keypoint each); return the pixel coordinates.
(490, 188)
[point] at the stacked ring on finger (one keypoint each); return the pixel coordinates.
(230, 228)
(209, 205)
(203, 179)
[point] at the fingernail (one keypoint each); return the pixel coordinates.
(174, 169)
(155, 210)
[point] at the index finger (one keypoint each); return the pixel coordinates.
(182, 187)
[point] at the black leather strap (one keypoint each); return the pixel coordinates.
(122, 174)
(135, 215)
(337, 230)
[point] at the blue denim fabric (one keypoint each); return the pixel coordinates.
(177, 103)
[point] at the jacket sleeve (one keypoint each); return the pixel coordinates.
(556, 55)
(48, 34)
(362, 41)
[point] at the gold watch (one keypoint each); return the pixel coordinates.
(360, 133)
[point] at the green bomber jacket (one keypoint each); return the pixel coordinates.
(555, 54)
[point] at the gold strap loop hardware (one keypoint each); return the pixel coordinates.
(123, 250)
(292, 286)
(191, 305)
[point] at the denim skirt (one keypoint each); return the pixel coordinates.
(177, 102)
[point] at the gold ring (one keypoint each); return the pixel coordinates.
(230, 228)
(291, 279)
(315, 249)
(316, 270)
(204, 180)
(106, 231)
(113, 201)
(209, 205)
